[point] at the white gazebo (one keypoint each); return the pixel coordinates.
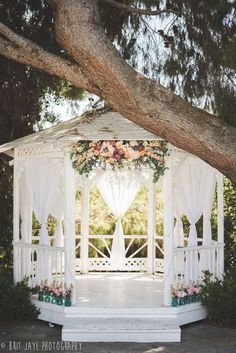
(117, 294)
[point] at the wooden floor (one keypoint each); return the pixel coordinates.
(119, 290)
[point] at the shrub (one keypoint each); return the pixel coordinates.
(15, 303)
(219, 296)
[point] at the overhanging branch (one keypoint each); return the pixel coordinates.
(138, 11)
(16, 47)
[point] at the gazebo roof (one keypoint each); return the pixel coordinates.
(100, 125)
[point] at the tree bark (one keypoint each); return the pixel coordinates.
(78, 28)
(79, 31)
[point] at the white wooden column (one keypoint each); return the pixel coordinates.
(85, 189)
(151, 226)
(16, 220)
(69, 223)
(168, 232)
(220, 218)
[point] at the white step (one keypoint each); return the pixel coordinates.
(121, 330)
(116, 312)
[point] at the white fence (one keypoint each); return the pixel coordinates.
(101, 244)
(38, 262)
(190, 262)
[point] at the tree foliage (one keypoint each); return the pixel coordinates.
(22, 98)
(192, 51)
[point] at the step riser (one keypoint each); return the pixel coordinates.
(134, 316)
(141, 337)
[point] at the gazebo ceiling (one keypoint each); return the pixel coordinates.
(102, 125)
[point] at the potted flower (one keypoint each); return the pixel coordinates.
(58, 296)
(189, 290)
(40, 293)
(178, 296)
(197, 293)
(68, 297)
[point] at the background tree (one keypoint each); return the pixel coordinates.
(90, 61)
(186, 45)
(23, 97)
(191, 50)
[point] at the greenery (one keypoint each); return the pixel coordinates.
(16, 300)
(191, 52)
(134, 221)
(26, 97)
(115, 155)
(219, 296)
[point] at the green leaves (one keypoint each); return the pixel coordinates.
(116, 155)
(16, 301)
(219, 296)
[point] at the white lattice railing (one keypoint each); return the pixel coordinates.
(133, 262)
(190, 262)
(38, 262)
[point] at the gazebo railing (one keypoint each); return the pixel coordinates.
(133, 260)
(191, 262)
(38, 263)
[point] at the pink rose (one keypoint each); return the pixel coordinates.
(117, 156)
(121, 152)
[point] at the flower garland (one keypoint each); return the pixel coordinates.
(116, 155)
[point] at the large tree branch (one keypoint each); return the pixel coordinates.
(79, 29)
(101, 70)
(138, 11)
(27, 52)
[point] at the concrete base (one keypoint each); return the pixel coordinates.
(119, 312)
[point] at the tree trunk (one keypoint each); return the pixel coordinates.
(103, 71)
(79, 30)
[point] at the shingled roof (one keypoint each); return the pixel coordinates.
(100, 125)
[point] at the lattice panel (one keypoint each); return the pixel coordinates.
(36, 150)
(77, 265)
(133, 264)
(159, 265)
(101, 264)
(136, 264)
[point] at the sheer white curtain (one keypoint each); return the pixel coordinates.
(25, 225)
(193, 190)
(207, 231)
(57, 210)
(118, 190)
(42, 176)
(25, 212)
(178, 229)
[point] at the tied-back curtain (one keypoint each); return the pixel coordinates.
(118, 190)
(42, 176)
(193, 190)
(57, 210)
(207, 231)
(178, 231)
(25, 212)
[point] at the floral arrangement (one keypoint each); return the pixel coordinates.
(115, 155)
(186, 294)
(56, 293)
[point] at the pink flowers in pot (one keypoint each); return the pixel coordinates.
(186, 294)
(55, 290)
